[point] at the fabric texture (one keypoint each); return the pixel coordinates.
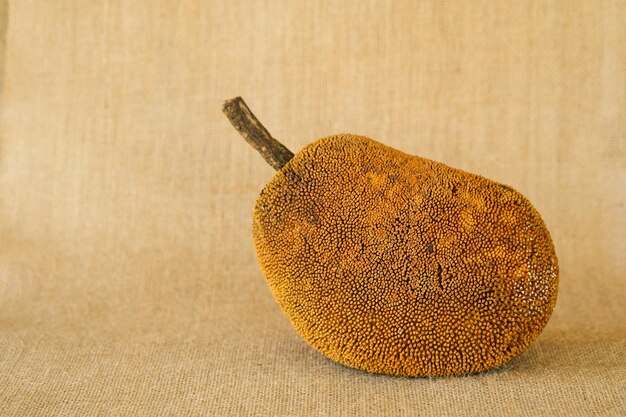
(128, 279)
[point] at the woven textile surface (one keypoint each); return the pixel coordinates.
(129, 284)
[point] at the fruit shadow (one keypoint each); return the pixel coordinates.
(564, 350)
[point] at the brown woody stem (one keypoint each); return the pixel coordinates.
(240, 116)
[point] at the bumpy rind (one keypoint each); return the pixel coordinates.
(399, 265)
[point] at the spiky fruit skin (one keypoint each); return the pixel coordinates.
(396, 264)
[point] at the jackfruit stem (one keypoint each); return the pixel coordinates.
(248, 126)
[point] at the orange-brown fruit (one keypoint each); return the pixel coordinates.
(396, 264)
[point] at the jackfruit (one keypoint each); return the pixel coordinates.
(399, 265)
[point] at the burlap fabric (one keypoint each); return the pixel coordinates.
(128, 279)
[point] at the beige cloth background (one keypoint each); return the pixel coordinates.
(128, 279)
